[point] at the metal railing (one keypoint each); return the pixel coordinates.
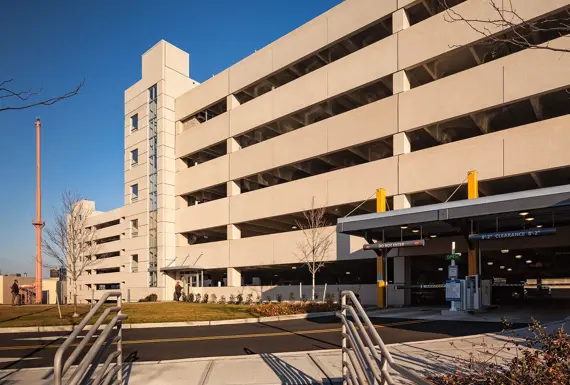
(89, 365)
(366, 362)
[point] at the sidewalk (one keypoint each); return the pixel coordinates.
(512, 314)
(316, 367)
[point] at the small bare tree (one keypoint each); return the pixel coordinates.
(315, 246)
(508, 26)
(70, 241)
(13, 99)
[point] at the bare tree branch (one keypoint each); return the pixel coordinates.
(507, 26)
(314, 249)
(70, 241)
(10, 95)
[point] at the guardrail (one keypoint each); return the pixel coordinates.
(367, 362)
(88, 366)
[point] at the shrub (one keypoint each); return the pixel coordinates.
(214, 298)
(279, 298)
(191, 297)
(223, 299)
(239, 298)
(283, 308)
(184, 297)
(205, 299)
(198, 298)
(149, 298)
(543, 360)
(329, 298)
(248, 299)
(257, 299)
(232, 299)
(268, 298)
(304, 298)
(291, 296)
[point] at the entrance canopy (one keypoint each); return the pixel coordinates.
(189, 269)
(531, 209)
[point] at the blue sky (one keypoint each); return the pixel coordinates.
(56, 44)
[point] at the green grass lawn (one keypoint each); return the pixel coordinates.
(47, 315)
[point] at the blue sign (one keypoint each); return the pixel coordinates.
(379, 278)
(453, 290)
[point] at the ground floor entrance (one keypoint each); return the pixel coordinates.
(517, 277)
(516, 245)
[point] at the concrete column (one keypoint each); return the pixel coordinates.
(400, 20)
(232, 102)
(401, 143)
(401, 82)
(233, 145)
(233, 188)
(234, 232)
(402, 202)
(234, 277)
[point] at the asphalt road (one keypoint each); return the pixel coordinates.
(27, 350)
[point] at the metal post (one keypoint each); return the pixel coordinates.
(120, 340)
(472, 185)
(344, 345)
(453, 264)
(38, 223)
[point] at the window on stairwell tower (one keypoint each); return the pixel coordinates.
(134, 192)
(134, 122)
(152, 279)
(134, 263)
(134, 228)
(135, 157)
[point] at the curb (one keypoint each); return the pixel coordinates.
(70, 328)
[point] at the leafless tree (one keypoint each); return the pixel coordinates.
(70, 241)
(13, 99)
(313, 250)
(507, 26)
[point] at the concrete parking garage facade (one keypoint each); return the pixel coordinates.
(371, 94)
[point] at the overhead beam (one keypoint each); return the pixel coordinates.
(257, 178)
(351, 43)
(322, 58)
(360, 154)
(475, 55)
(481, 120)
(295, 71)
(537, 107)
(537, 179)
(428, 8)
(440, 196)
(431, 72)
(437, 133)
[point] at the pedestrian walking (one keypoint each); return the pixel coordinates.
(15, 290)
(177, 291)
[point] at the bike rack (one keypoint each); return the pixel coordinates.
(368, 362)
(83, 372)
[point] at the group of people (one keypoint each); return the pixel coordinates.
(15, 290)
